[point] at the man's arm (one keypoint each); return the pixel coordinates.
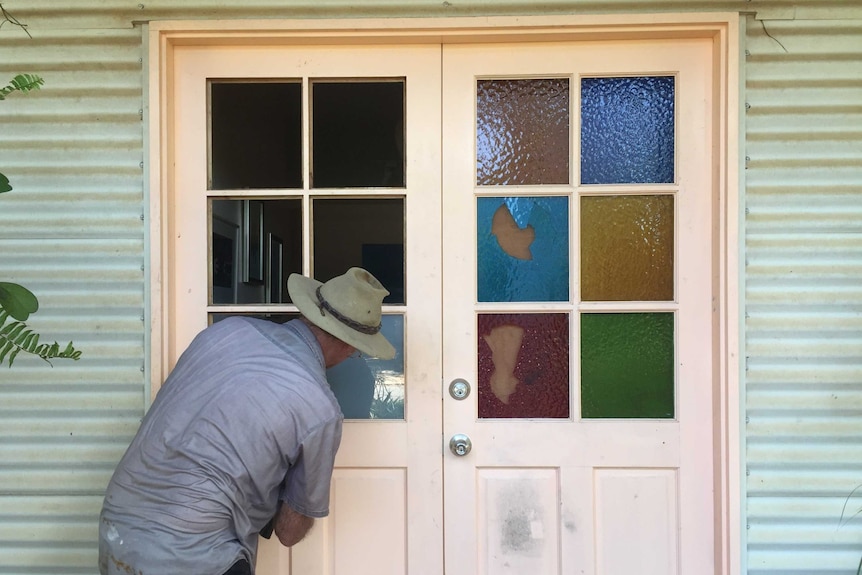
(291, 526)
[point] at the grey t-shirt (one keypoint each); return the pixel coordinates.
(245, 419)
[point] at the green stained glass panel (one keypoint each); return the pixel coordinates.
(627, 248)
(627, 365)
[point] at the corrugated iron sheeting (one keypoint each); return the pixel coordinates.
(72, 232)
(803, 274)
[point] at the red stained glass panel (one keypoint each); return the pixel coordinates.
(523, 365)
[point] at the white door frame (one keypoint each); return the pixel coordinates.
(722, 28)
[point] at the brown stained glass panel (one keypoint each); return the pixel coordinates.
(522, 132)
(627, 248)
(523, 369)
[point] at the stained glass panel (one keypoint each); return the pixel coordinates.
(627, 130)
(627, 247)
(523, 365)
(523, 248)
(522, 132)
(627, 365)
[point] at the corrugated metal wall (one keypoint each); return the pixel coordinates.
(73, 232)
(803, 271)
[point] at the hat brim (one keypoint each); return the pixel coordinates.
(302, 292)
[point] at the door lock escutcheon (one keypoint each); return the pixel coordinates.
(459, 389)
(460, 444)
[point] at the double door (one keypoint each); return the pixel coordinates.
(542, 214)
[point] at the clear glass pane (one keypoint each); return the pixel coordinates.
(371, 388)
(255, 245)
(255, 135)
(522, 132)
(357, 134)
(366, 388)
(627, 246)
(363, 232)
(627, 365)
(523, 248)
(627, 130)
(523, 365)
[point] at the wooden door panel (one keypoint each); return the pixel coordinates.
(574, 495)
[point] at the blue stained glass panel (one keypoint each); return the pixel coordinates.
(523, 249)
(627, 130)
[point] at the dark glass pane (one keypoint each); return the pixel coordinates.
(252, 265)
(627, 130)
(523, 248)
(522, 132)
(627, 365)
(523, 365)
(363, 232)
(357, 134)
(627, 245)
(366, 388)
(255, 135)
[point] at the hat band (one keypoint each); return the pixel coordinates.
(360, 327)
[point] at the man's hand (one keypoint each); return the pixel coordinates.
(291, 526)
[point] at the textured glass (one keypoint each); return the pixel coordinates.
(523, 248)
(523, 365)
(522, 132)
(362, 232)
(357, 134)
(627, 130)
(277, 244)
(255, 135)
(371, 388)
(627, 245)
(627, 365)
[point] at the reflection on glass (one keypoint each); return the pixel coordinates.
(627, 365)
(523, 248)
(627, 130)
(277, 229)
(255, 135)
(523, 365)
(362, 232)
(522, 132)
(365, 387)
(357, 134)
(627, 245)
(371, 388)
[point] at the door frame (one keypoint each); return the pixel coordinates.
(722, 28)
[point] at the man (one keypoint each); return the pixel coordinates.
(241, 436)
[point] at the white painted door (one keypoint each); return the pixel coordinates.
(577, 306)
(386, 499)
(498, 292)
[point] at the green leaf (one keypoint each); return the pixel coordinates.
(22, 83)
(5, 186)
(17, 300)
(16, 337)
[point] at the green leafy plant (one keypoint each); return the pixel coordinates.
(16, 301)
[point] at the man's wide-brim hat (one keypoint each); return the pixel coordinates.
(347, 306)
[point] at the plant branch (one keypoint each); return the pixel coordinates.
(7, 17)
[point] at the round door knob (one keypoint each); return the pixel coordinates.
(460, 444)
(459, 389)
